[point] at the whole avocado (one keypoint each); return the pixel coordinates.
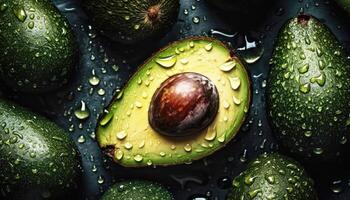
(308, 93)
(132, 21)
(37, 47)
(273, 176)
(137, 190)
(37, 158)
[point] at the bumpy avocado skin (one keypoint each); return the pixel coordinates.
(38, 51)
(125, 133)
(137, 190)
(37, 158)
(308, 90)
(345, 4)
(127, 22)
(273, 176)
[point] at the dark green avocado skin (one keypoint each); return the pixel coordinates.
(37, 47)
(127, 21)
(137, 190)
(273, 176)
(37, 158)
(308, 92)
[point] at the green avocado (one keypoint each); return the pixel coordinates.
(273, 176)
(137, 190)
(37, 158)
(308, 90)
(132, 21)
(345, 4)
(184, 103)
(38, 50)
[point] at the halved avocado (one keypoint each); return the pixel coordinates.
(194, 92)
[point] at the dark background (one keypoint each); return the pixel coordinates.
(114, 63)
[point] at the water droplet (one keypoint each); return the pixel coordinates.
(20, 14)
(167, 62)
(236, 100)
(94, 80)
(235, 82)
(305, 88)
(208, 47)
(106, 118)
(82, 112)
(31, 25)
(100, 180)
(121, 135)
(3, 7)
(228, 66)
(196, 20)
(81, 139)
(128, 146)
(320, 80)
(318, 151)
(308, 134)
(211, 134)
(303, 69)
(252, 51)
(188, 148)
(138, 158)
(119, 154)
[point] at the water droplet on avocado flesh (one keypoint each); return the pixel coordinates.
(184, 104)
(178, 114)
(311, 100)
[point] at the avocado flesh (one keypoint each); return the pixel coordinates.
(345, 4)
(137, 190)
(37, 158)
(131, 22)
(308, 90)
(273, 176)
(38, 50)
(125, 132)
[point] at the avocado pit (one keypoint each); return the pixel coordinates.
(184, 104)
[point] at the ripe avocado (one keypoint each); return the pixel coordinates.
(308, 91)
(273, 176)
(137, 190)
(194, 92)
(37, 158)
(345, 4)
(132, 21)
(38, 50)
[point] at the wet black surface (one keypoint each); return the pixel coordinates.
(210, 177)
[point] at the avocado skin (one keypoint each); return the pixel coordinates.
(117, 19)
(311, 125)
(137, 190)
(273, 175)
(38, 53)
(37, 158)
(345, 4)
